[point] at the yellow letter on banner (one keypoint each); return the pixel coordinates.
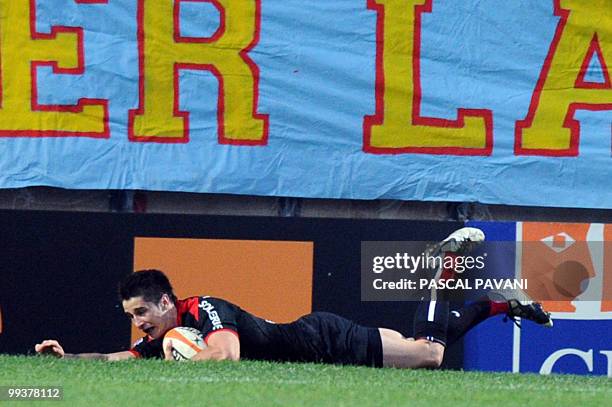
(163, 52)
(583, 33)
(22, 50)
(397, 126)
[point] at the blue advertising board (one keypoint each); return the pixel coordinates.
(580, 342)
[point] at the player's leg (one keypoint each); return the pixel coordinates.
(399, 351)
(529, 310)
(432, 316)
(427, 349)
(462, 320)
(402, 352)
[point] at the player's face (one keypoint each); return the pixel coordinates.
(151, 318)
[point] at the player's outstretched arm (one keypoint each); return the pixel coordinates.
(221, 345)
(52, 347)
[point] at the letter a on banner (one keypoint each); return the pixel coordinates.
(22, 50)
(398, 126)
(163, 52)
(583, 34)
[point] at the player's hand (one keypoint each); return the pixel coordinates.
(168, 350)
(50, 347)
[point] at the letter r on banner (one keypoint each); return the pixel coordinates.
(163, 52)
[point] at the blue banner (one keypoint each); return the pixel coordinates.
(497, 102)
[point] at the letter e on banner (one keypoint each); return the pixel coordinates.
(22, 50)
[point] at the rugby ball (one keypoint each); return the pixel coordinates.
(186, 342)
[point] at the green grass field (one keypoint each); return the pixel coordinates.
(160, 383)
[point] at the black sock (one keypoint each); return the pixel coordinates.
(464, 319)
(431, 320)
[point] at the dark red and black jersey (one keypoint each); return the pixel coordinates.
(316, 337)
(201, 313)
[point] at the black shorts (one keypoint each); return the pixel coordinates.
(329, 338)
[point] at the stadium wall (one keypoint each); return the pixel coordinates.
(60, 270)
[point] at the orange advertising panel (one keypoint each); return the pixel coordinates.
(271, 279)
(557, 261)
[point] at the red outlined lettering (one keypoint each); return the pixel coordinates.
(594, 51)
(177, 23)
(178, 66)
(78, 70)
(569, 122)
(417, 119)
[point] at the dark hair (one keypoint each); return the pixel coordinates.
(149, 284)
